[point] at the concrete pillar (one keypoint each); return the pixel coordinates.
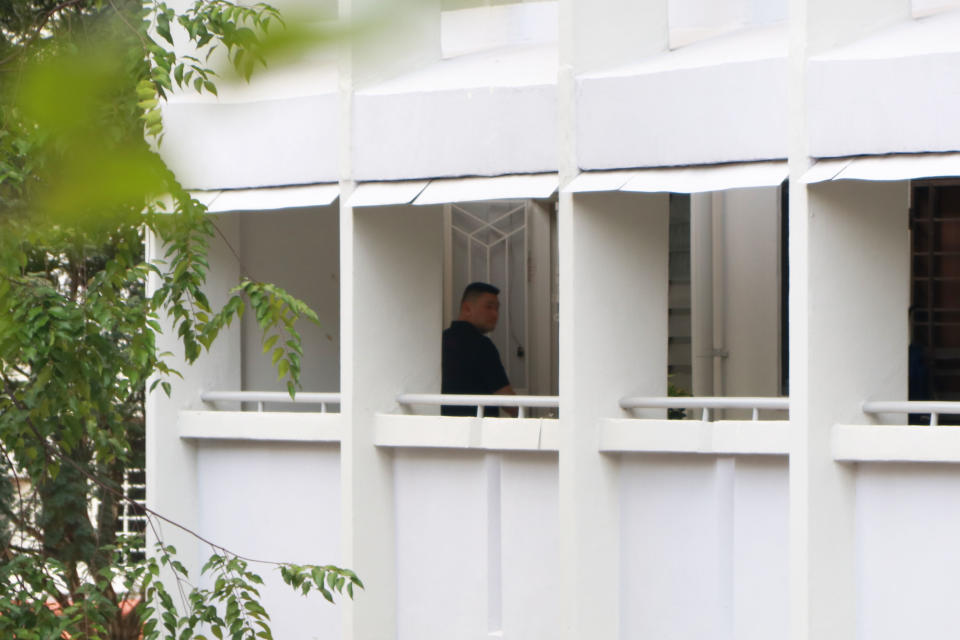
(853, 347)
(172, 462)
(837, 235)
(391, 293)
(613, 342)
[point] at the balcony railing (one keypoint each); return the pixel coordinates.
(480, 401)
(707, 404)
(907, 407)
(279, 397)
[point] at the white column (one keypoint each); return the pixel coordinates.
(840, 326)
(613, 316)
(172, 462)
(853, 347)
(390, 311)
(391, 270)
(613, 342)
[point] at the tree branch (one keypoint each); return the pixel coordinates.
(39, 28)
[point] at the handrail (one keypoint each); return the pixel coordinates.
(303, 397)
(465, 400)
(933, 407)
(707, 403)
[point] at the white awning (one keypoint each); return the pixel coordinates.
(443, 190)
(590, 181)
(512, 187)
(378, 194)
(688, 179)
(887, 168)
(268, 198)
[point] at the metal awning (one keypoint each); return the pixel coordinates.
(443, 190)
(886, 168)
(268, 198)
(379, 194)
(686, 179)
(512, 187)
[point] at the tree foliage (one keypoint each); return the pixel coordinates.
(81, 84)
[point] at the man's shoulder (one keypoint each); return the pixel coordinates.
(460, 329)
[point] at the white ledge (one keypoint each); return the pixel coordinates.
(895, 443)
(746, 437)
(492, 434)
(249, 425)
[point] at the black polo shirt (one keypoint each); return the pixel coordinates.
(471, 365)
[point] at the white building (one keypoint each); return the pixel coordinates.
(562, 149)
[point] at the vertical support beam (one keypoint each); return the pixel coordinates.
(855, 320)
(613, 315)
(390, 264)
(171, 462)
(701, 293)
(391, 270)
(613, 342)
(831, 240)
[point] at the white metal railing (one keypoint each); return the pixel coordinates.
(707, 404)
(281, 397)
(481, 401)
(933, 407)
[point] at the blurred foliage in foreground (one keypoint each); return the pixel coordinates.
(80, 185)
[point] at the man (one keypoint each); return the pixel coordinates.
(471, 363)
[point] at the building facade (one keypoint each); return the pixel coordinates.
(752, 200)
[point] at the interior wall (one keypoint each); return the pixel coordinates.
(736, 293)
(752, 284)
(299, 251)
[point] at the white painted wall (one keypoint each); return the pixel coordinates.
(530, 532)
(906, 530)
(703, 547)
(298, 250)
(443, 540)
(713, 14)
(277, 502)
(491, 26)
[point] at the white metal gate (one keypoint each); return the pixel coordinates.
(488, 242)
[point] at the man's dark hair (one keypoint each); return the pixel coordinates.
(475, 289)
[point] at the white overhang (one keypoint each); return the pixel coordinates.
(717, 100)
(893, 91)
(487, 113)
(268, 198)
(379, 194)
(687, 179)
(537, 185)
(885, 168)
(444, 190)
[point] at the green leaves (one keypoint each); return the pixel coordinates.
(79, 188)
(231, 607)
